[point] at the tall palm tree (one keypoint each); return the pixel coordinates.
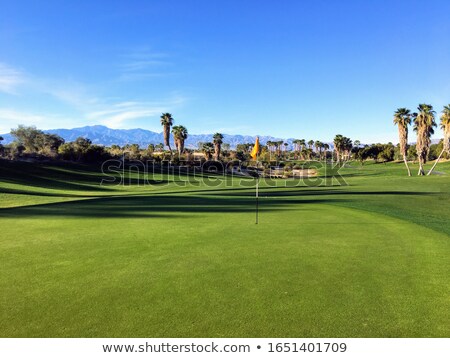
(347, 147)
(297, 146)
(302, 146)
(207, 149)
(277, 145)
(167, 122)
(338, 142)
(303, 143)
(180, 134)
(402, 118)
(280, 148)
(269, 145)
(217, 140)
(445, 126)
(423, 125)
(326, 146)
(317, 145)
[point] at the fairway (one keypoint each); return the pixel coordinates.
(368, 259)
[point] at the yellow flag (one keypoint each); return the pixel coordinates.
(255, 151)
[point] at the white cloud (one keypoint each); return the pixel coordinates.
(11, 118)
(143, 64)
(8, 114)
(72, 93)
(79, 104)
(118, 115)
(119, 119)
(10, 79)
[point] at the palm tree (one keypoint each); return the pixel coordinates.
(207, 149)
(326, 146)
(180, 134)
(317, 145)
(338, 144)
(297, 147)
(276, 146)
(302, 146)
(308, 153)
(322, 150)
(217, 140)
(319, 148)
(279, 144)
(445, 126)
(296, 143)
(402, 118)
(310, 143)
(167, 122)
(423, 125)
(347, 147)
(269, 145)
(343, 147)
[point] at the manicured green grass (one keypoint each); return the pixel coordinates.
(369, 259)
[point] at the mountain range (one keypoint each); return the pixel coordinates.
(103, 135)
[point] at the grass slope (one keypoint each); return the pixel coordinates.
(370, 259)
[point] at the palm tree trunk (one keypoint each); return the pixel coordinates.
(437, 160)
(421, 171)
(407, 167)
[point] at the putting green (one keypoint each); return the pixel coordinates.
(323, 262)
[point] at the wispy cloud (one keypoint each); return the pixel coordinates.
(140, 65)
(119, 119)
(118, 115)
(10, 79)
(11, 118)
(8, 114)
(113, 112)
(83, 103)
(144, 64)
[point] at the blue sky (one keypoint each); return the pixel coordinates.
(304, 69)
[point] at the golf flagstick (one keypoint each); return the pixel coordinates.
(255, 154)
(257, 190)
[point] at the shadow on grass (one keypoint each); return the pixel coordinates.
(328, 192)
(219, 200)
(155, 205)
(66, 177)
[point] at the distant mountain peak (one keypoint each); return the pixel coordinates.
(102, 135)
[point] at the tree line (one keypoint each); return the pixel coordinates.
(30, 141)
(424, 121)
